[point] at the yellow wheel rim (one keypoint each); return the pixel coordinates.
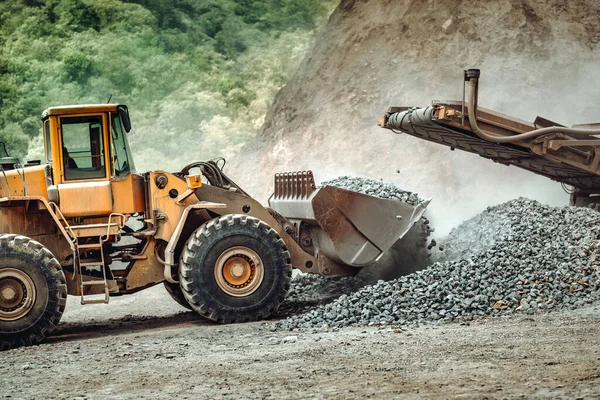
(239, 271)
(17, 294)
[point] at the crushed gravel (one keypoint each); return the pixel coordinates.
(541, 258)
(473, 235)
(372, 187)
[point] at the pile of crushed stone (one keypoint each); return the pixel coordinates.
(372, 187)
(473, 235)
(308, 291)
(541, 258)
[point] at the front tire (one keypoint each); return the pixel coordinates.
(235, 268)
(33, 291)
(176, 294)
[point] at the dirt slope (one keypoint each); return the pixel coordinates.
(538, 57)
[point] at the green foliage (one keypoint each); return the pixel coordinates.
(77, 15)
(188, 69)
(78, 67)
(229, 40)
(211, 21)
(279, 14)
(15, 139)
(8, 92)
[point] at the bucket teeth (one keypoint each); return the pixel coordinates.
(294, 185)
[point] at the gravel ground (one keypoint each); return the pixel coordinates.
(474, 326)
(540, 258)
(145, 346)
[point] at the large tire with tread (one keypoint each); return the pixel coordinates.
(176, 294)
(33, 291)
(235, 268)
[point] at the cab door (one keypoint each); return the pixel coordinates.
(84, 187)
(128, 187)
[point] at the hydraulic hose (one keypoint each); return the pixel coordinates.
(472, 76)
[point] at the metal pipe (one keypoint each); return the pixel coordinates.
(473, 77)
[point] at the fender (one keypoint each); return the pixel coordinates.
(39, 219)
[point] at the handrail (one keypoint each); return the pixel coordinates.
(62, 217)
(2, 187)
(120, 224)
(7, 184)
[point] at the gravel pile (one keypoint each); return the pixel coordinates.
(375, 188)
(473, 235)
(308, 291)
(543, 258)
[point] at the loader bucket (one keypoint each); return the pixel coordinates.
(349, 228)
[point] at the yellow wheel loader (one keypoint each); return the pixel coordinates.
(83, 222)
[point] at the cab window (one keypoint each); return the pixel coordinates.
(83, 147)
(47, 141)
(123, 164)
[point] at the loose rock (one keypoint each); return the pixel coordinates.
(523, 257)
(372, 187)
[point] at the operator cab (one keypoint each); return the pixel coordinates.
(92, 169)
(80, 141)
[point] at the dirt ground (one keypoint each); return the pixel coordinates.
(146, 346)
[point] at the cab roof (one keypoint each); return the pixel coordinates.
(79, 109)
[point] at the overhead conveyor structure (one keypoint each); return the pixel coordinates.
(567, 155)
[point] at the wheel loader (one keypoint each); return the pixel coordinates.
(83, 222)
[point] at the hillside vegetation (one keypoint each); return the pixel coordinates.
(198, 76)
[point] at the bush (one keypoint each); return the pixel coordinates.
(77, 16)
(78, 67)
(230, 41)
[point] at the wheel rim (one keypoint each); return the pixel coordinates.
(239, 271)
(17, 294)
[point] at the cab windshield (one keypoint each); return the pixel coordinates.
(123, 162)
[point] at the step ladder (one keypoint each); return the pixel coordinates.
(85, 232)
(101, 281)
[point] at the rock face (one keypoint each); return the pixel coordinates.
(538, 57)
(543, 258)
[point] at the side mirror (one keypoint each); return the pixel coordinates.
(124, 115)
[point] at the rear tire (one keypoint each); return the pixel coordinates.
(235, 268)
(33, 291)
